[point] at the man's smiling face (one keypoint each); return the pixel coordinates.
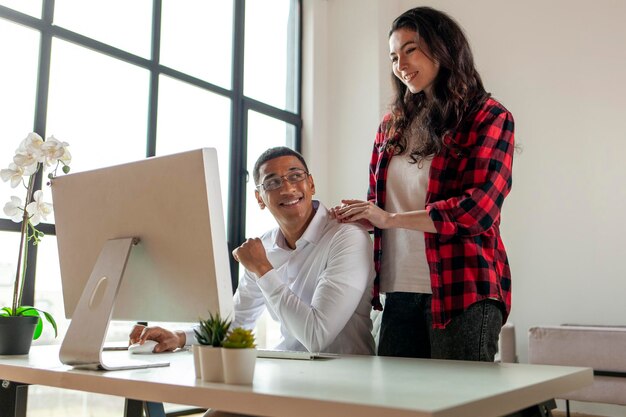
(291, 203)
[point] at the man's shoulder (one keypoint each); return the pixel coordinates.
(350, 228)
(348, 233)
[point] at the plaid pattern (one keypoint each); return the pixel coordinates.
(468, 182)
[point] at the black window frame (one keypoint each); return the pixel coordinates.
(240, 106)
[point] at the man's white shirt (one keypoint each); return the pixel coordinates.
(320, 292)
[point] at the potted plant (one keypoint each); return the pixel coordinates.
(239, 356)
(20, 324)
(207, 354)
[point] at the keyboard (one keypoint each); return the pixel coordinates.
(294, 354)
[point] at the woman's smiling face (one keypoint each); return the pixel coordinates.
(411, 61)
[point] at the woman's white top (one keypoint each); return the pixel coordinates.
(403, 264)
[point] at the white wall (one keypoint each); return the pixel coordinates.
(315, 91)
(559, 67)
(342, 98)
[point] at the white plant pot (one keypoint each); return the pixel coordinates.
(195, 349)
(211, 364)
(239, 365)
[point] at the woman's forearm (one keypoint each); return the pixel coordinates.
(413, 220)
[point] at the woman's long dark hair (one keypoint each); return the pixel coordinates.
(457, 89)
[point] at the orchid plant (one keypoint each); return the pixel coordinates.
(33, 154)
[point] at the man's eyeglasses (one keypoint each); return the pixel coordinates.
(274, 183)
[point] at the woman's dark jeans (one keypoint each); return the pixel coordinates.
(406, 330)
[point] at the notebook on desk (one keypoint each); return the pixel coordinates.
(294, 354)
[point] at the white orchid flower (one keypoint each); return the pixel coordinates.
(14, 209)
(38, 210)
(29, 152)
(27, 160)
(67, 156)
(31, 143)
(55, 150)
(16, 173)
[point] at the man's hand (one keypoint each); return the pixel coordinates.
(251, 254)
(167, 339)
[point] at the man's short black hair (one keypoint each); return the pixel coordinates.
(273, 153)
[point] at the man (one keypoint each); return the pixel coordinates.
(312, 273)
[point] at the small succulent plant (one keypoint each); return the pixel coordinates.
(239, 338)
(212, 331)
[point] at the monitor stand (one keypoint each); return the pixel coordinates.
(84, 340)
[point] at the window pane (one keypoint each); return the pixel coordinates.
(9, 247)
(124, 24)
(263, 132)
(271, 52)
(98, 105)
(30, 7)
(48, 295)
(196, 38)
(192, 118)
(18, 81)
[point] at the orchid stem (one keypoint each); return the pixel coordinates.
(22, 256)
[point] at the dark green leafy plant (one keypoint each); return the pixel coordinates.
(212, 331)
(239, 338)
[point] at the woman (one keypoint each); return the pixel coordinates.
(439, 173)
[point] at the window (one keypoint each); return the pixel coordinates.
(123, 80)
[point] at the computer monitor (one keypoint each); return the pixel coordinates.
(140, 241)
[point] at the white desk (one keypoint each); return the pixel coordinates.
(344, 387)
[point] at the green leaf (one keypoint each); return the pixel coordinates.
(50, 319)
(38, 329)
(239, 338)
(24, 311)
(66, 169)
(35, 312)
(32, 312)
(200, 338)
(212, 330)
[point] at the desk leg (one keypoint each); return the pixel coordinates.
(154, 409)
(539, 410)
(136, 408)
(133, 408)
(13, 396)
